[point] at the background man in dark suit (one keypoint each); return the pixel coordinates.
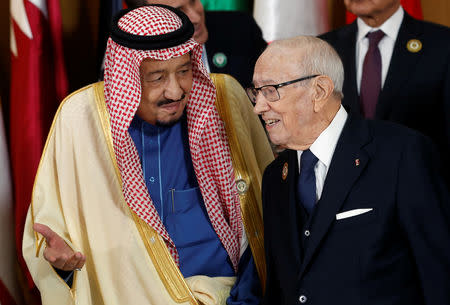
(355, 211)
(232, 40)
(413, 86)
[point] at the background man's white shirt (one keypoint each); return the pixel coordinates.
(390, 28)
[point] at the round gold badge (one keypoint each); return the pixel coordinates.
(241, 186)
(414, 45)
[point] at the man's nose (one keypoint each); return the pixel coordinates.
(173, 90)
(261, 103)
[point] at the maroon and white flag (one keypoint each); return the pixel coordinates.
(38, 84)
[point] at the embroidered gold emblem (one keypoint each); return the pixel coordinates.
(414, 45)
(241, 186)
(284, 172)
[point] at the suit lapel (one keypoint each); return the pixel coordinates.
(347, 45)
(288, 196)
(349, 161)
(402, 64)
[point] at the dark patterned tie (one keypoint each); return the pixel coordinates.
(306, 186)
(371, 75)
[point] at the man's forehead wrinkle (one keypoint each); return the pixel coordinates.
(162, 70)
(187, 63)
(154, 71)
(151, 67)
(264, 81)
(265, 73)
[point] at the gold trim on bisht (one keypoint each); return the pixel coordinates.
(168, 271)
(251, 215)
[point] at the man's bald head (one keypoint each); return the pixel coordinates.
(310, 55)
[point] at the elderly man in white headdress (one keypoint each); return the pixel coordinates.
(148, 187)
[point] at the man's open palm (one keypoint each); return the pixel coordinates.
(57, 252)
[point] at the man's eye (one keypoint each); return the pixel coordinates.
(155, 79)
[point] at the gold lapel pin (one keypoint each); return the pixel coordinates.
(414, 45)
(356, 162)
(284, 172)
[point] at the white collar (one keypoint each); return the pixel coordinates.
(323, 147)
(390, 27)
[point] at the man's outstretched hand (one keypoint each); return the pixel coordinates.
(57, 252)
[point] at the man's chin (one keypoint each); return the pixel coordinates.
(277, 140)
(168, 122)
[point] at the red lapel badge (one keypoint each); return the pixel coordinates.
(356, 162)
(284, 172)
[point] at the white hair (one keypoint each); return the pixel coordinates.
(315, 57)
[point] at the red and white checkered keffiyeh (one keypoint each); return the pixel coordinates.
(207, 138)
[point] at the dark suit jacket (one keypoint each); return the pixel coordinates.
(237, 35)
(416, 92)
(396, 254)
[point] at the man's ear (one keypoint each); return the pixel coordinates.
(323, 88)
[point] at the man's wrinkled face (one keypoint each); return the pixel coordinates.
(194, 10)
(290, 119)
(165, 88)
(370, 8)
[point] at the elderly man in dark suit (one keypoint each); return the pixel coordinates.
(397, 68)
(355, 211)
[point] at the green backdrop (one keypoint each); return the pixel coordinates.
(227, 5)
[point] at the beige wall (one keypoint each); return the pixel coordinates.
(437, 11)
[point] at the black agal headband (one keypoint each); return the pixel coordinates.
(163, 41)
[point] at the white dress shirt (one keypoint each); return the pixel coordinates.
(323, 148)
(390, 28)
